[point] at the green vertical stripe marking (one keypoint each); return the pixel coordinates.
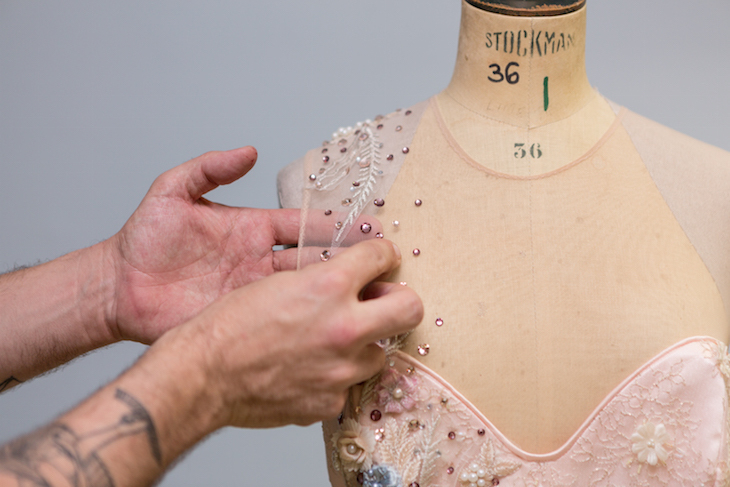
(546, 97)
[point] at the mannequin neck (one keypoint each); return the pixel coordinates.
(524, 71)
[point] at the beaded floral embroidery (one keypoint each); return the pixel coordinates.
(651, 432)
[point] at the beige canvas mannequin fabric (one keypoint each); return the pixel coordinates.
(558, 275)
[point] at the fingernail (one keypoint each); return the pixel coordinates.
(397, 250)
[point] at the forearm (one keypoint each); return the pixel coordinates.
(126, 434)
(53, 313)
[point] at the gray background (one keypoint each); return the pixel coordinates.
(97, 98)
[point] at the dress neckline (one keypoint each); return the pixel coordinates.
(565, 448)
(451, 140)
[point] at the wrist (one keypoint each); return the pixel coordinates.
(96, 293)
(175, 374)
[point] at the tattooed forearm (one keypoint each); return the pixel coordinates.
(137, 415)
(59, 452)
(8, 383)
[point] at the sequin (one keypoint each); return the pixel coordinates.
(356, 183)
(379, 202)
(327, 212)
(379, 235)
(423, 349)
(338, 225)
(396, 223)
(365, 163)
(418, 202)
(439, 322)
(343, 150)
(325, 256)
(410, 371)
(312, 177)
(325, 150)
(408, 112)
(390, 157)
(406, 150)
(380, 126)
(365, 228)
(444, 401)
(380, 434)
(398, 128)
(450, 470)
(347, 202)
(342, 141)
(414, 424)
(379, 145)
(481, 432)
(326, 159)
(452, 435)
(364, 136)
(376, 415)
(416, 252)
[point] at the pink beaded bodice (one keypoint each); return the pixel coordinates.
(666, 424)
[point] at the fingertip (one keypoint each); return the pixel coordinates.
(248, 152)
(397, 251)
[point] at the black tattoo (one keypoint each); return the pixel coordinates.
(59, 450)
(8, 383)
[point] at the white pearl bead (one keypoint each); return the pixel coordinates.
(474, 467)
(464, 477)
(481, 473)
(481, 483)
(351, 449)
(473, 478)
(398, 393)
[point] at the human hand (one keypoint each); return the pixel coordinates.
(179, 252)
(287, 348)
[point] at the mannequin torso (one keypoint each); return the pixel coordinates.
(552, 251)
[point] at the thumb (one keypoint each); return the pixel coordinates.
(205, 173)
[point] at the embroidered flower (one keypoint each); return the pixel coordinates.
(396, 392)
(488, 469)
(649, 443)
(354, 446)
(381, 476)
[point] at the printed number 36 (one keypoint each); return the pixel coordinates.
(512, 77)
(521, 152)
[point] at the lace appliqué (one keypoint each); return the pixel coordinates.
(487, 469)
(358, 149)
(718, 353)
(608, 444)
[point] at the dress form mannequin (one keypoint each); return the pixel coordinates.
(557, 251)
